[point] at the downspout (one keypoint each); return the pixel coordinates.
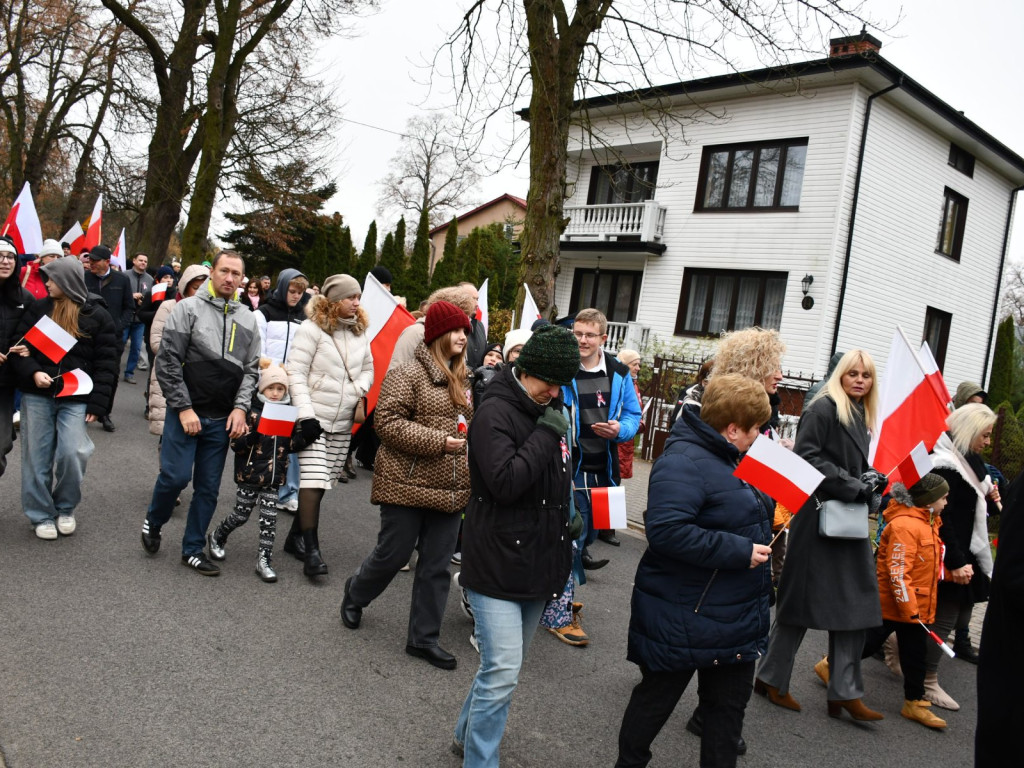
(853, 209)
(999, 282)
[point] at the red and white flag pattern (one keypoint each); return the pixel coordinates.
(94, 234)
(76, 382)
(119, 255)
(277, 419)
(530, 312)
(75, 237)
(481, 307)
(909, 411)
(608, 508)
(22, 224)
(158, 292)
(779, 472)
(388, 319)
(915, 466)
(50, 339)
(934, 376)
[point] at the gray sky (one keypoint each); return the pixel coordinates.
(966, 54)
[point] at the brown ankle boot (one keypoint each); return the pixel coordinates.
(856, 708)
(780, 700)
(821, 670)
(921, 712)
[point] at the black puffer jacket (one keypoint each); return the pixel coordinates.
(95, 353)
(515, 538)
(14, 300)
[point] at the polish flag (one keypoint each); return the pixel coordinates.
(915, 466)
(118, 256)
(608, 508)
(779, 472)
(530, 312)
(277, 419)
(76, 382)
(388, 319)
(159, 292)
(93, 234)
(909, 411)
(481, 307)
(50, 339)
(75, 237)
(22, 224)
(934, 376)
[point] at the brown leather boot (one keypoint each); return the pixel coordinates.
(821, 670)
(921, 712)
(857, 709)
(780, 700)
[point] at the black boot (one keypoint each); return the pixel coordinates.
(315, 566)
(293, 543)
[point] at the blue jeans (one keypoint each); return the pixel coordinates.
(504, 629)
(199, 458)
(290, 487)
(55, 448)
(134, 331)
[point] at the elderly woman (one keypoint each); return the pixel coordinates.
(420, 480)
(631, 359)
(700, 596)
(330, 369)
(829, 583)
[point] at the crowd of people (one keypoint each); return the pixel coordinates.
(490, 455)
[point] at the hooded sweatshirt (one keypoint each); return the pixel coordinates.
(277, 321)
(908, 560)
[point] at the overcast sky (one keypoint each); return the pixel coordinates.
(966, 54)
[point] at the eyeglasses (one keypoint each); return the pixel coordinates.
(8, 256)
(588, 336)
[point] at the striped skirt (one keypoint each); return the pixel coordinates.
(322, 462)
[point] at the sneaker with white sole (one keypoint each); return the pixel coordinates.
(292, 505)
(47, 530)
(474, 643)
(467, 609)
(66, 524)
(201, 564)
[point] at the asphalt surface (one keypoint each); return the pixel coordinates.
(111, 657)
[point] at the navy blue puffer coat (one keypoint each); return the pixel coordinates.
(696, 600)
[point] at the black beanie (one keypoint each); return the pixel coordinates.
(928, 490)
(383, 275)
(551, 355)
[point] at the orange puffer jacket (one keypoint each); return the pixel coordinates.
(908, 561)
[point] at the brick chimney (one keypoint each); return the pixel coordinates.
(851, 46)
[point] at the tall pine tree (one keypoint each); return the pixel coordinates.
(346, 253)
(1001, 382)
(392, 256)
(368, 258)
(447, 270)
(418, 279)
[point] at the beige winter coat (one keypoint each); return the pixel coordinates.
(328, 373)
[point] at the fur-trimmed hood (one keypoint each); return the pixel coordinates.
(318, 310)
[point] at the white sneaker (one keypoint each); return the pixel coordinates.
(474, 643)
(17, 418)
(292, 505)
(47, 530)
(66, 524)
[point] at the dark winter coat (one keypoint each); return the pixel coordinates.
(95, 353)
(476, 344)
(147, 312)
(829, 583)
(14, 301)
(262, 460)
(116, 291)
(696, 601)
(515, 538)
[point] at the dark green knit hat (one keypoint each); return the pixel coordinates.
(928, 490)
(551, 355)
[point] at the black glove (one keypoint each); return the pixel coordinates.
(575, 526)
(310, 430)
(875, 480)
(874, 502)
(554, 420)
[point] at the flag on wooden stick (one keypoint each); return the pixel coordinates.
(779, 472)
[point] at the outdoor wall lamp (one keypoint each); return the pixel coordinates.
(805, 285)
(568, 189)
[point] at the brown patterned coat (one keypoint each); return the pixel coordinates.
(413, 417)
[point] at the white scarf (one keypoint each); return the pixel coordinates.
(947, 456)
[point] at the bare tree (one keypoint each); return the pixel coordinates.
(429, 172)
(506, 50)
(1013, 292)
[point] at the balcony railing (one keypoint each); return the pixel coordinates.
(636, 221)
(627, 335)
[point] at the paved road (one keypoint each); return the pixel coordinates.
(109, 657)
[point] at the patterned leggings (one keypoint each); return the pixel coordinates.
(558, 612)
(246, 499)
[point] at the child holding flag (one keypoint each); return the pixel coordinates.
(261, 463)
(66, 332)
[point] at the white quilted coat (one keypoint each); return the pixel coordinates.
(328, 373)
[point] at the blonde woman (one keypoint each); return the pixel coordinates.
(828, 583)
(757, 354)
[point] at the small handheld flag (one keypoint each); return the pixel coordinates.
(778, 472)
(159, 292)
(50, 339)
(608, 508)
(938, 640)
(76, 382)
(461, 424)
(277, 420)
(915, 466)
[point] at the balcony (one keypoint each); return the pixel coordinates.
(643, 222)
(627, 336)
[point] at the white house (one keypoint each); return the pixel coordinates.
(832, 200)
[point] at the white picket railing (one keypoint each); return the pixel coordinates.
(619, 336)
(645, 220)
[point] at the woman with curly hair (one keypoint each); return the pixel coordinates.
(757, 354)
(329, 369)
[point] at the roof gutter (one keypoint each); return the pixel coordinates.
(999, 282)
(853, 208)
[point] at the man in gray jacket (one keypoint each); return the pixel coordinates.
(207, 367)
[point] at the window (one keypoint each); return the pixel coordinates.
(623, 183)
(962, 160)
(717, 300)
(616, 293)
(951, 228)
(936, 333)
(767, 176)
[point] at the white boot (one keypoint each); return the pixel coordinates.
(891, 651)
(934, 693)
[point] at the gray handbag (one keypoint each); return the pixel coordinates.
(843, 519)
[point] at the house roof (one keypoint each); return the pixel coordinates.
(511, 198)
(869, 68)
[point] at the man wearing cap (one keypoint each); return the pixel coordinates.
(13, 301)
(116, 291)
(207, 368)
(521, 481)
(141, 283)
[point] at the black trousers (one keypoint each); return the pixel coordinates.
(723, 692)
(913, 643)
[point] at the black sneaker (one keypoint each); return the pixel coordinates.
(150, 537)
(201, 563)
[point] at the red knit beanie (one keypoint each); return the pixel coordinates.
(443, 316)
